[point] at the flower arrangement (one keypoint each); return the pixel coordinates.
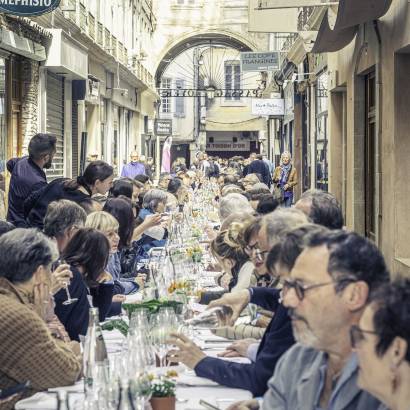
(163, 387)
(195, 253)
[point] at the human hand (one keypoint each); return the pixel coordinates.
(119, 298)
(42, 300)
(286, 187)
(238, 348)
(75, 347)
(152, 220)
(245, 405)
(189, 353)
(60, 278)
(236, 301)
(263, 321)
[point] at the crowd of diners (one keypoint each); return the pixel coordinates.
(332, 324)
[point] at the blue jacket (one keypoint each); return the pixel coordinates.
(259, 166)
(26, 178)
(133, 169)
(299, 379)
(278, 338)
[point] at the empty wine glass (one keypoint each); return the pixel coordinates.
(69, 300)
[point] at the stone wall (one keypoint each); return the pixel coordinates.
(29, 100)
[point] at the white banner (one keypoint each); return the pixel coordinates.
(228, 146)
(271, 106)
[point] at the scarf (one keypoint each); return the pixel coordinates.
(284, 173)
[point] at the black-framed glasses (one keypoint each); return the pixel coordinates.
(300, 288)
(261, 255)
(250, 248)
(357, 335)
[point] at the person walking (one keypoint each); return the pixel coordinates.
(134, 167)
(28, 176)
(285, 178)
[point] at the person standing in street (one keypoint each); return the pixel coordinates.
(258, 166)
(133, 168)
(28, 176)
(285, 178)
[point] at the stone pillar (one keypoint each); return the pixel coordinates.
(29, 100)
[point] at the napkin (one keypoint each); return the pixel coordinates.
(188, 380)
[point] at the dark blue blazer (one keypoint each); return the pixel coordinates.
(278, 338)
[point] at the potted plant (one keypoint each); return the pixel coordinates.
(163, 394)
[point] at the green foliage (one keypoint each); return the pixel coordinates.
(152, 305)
(163, 388)
(118, 324)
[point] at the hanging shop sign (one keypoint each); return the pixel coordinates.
(260, 61)
(268, 106)
(228, 146)
(163, 127)
(28, 7)
(192, 92)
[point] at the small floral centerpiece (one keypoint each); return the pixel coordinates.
(163, 394)
(195, 253)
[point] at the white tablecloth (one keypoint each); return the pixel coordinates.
(187, 396)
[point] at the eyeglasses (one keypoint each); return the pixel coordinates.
(357, 335)
(301, 289)
(250, 248)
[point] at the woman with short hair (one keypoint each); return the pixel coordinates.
(382, 344)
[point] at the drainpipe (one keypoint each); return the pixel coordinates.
(379, 132)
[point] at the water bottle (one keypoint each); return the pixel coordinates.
(94, 349)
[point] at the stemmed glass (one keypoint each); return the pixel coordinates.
(69, 300)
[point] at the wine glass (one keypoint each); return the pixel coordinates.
(69, 300)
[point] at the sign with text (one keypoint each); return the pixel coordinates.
(228, 146)
(163, 127)
(272, 21)
(217, 93)
(271, 106)
(260, 61)
(28, 7)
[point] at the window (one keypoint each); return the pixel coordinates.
(179, 101)
(321, 133)
(370, 157)
(232, 80)
(166, 101)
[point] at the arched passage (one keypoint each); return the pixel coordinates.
(197, 38)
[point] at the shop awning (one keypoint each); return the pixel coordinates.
(329, 40)
(338, 30)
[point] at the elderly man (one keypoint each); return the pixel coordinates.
(278, 336)
(322, 208)
(326, 294)
(28, 351)
(133, 168)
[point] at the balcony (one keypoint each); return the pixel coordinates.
(303, 17)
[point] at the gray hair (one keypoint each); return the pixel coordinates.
(62, 215)
(281, 221)
(154, 197)
(233, 203)
(22, 251)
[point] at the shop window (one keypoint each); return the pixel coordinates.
(321, 133)
(232, 80)
(370, 157)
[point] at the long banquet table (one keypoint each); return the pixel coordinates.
(190, 388)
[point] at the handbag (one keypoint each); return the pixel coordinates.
(278, 193)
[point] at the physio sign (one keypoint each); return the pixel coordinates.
(28, 7)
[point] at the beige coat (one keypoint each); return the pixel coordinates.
(292, 180)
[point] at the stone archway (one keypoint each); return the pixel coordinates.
(197, 38)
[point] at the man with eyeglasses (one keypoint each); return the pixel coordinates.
(326, 294)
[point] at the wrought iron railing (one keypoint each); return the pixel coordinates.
(304, 16)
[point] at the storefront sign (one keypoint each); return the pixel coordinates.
(228, 146)
(260, 61)
(163, 127)
(192, 92)
(272, 106)
(28, 7)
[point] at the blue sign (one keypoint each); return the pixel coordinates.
(28, 7)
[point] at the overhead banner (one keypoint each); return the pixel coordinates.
(271, 106)
(272, 21)
(28, 7)
(260, 61)
(228, 146)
